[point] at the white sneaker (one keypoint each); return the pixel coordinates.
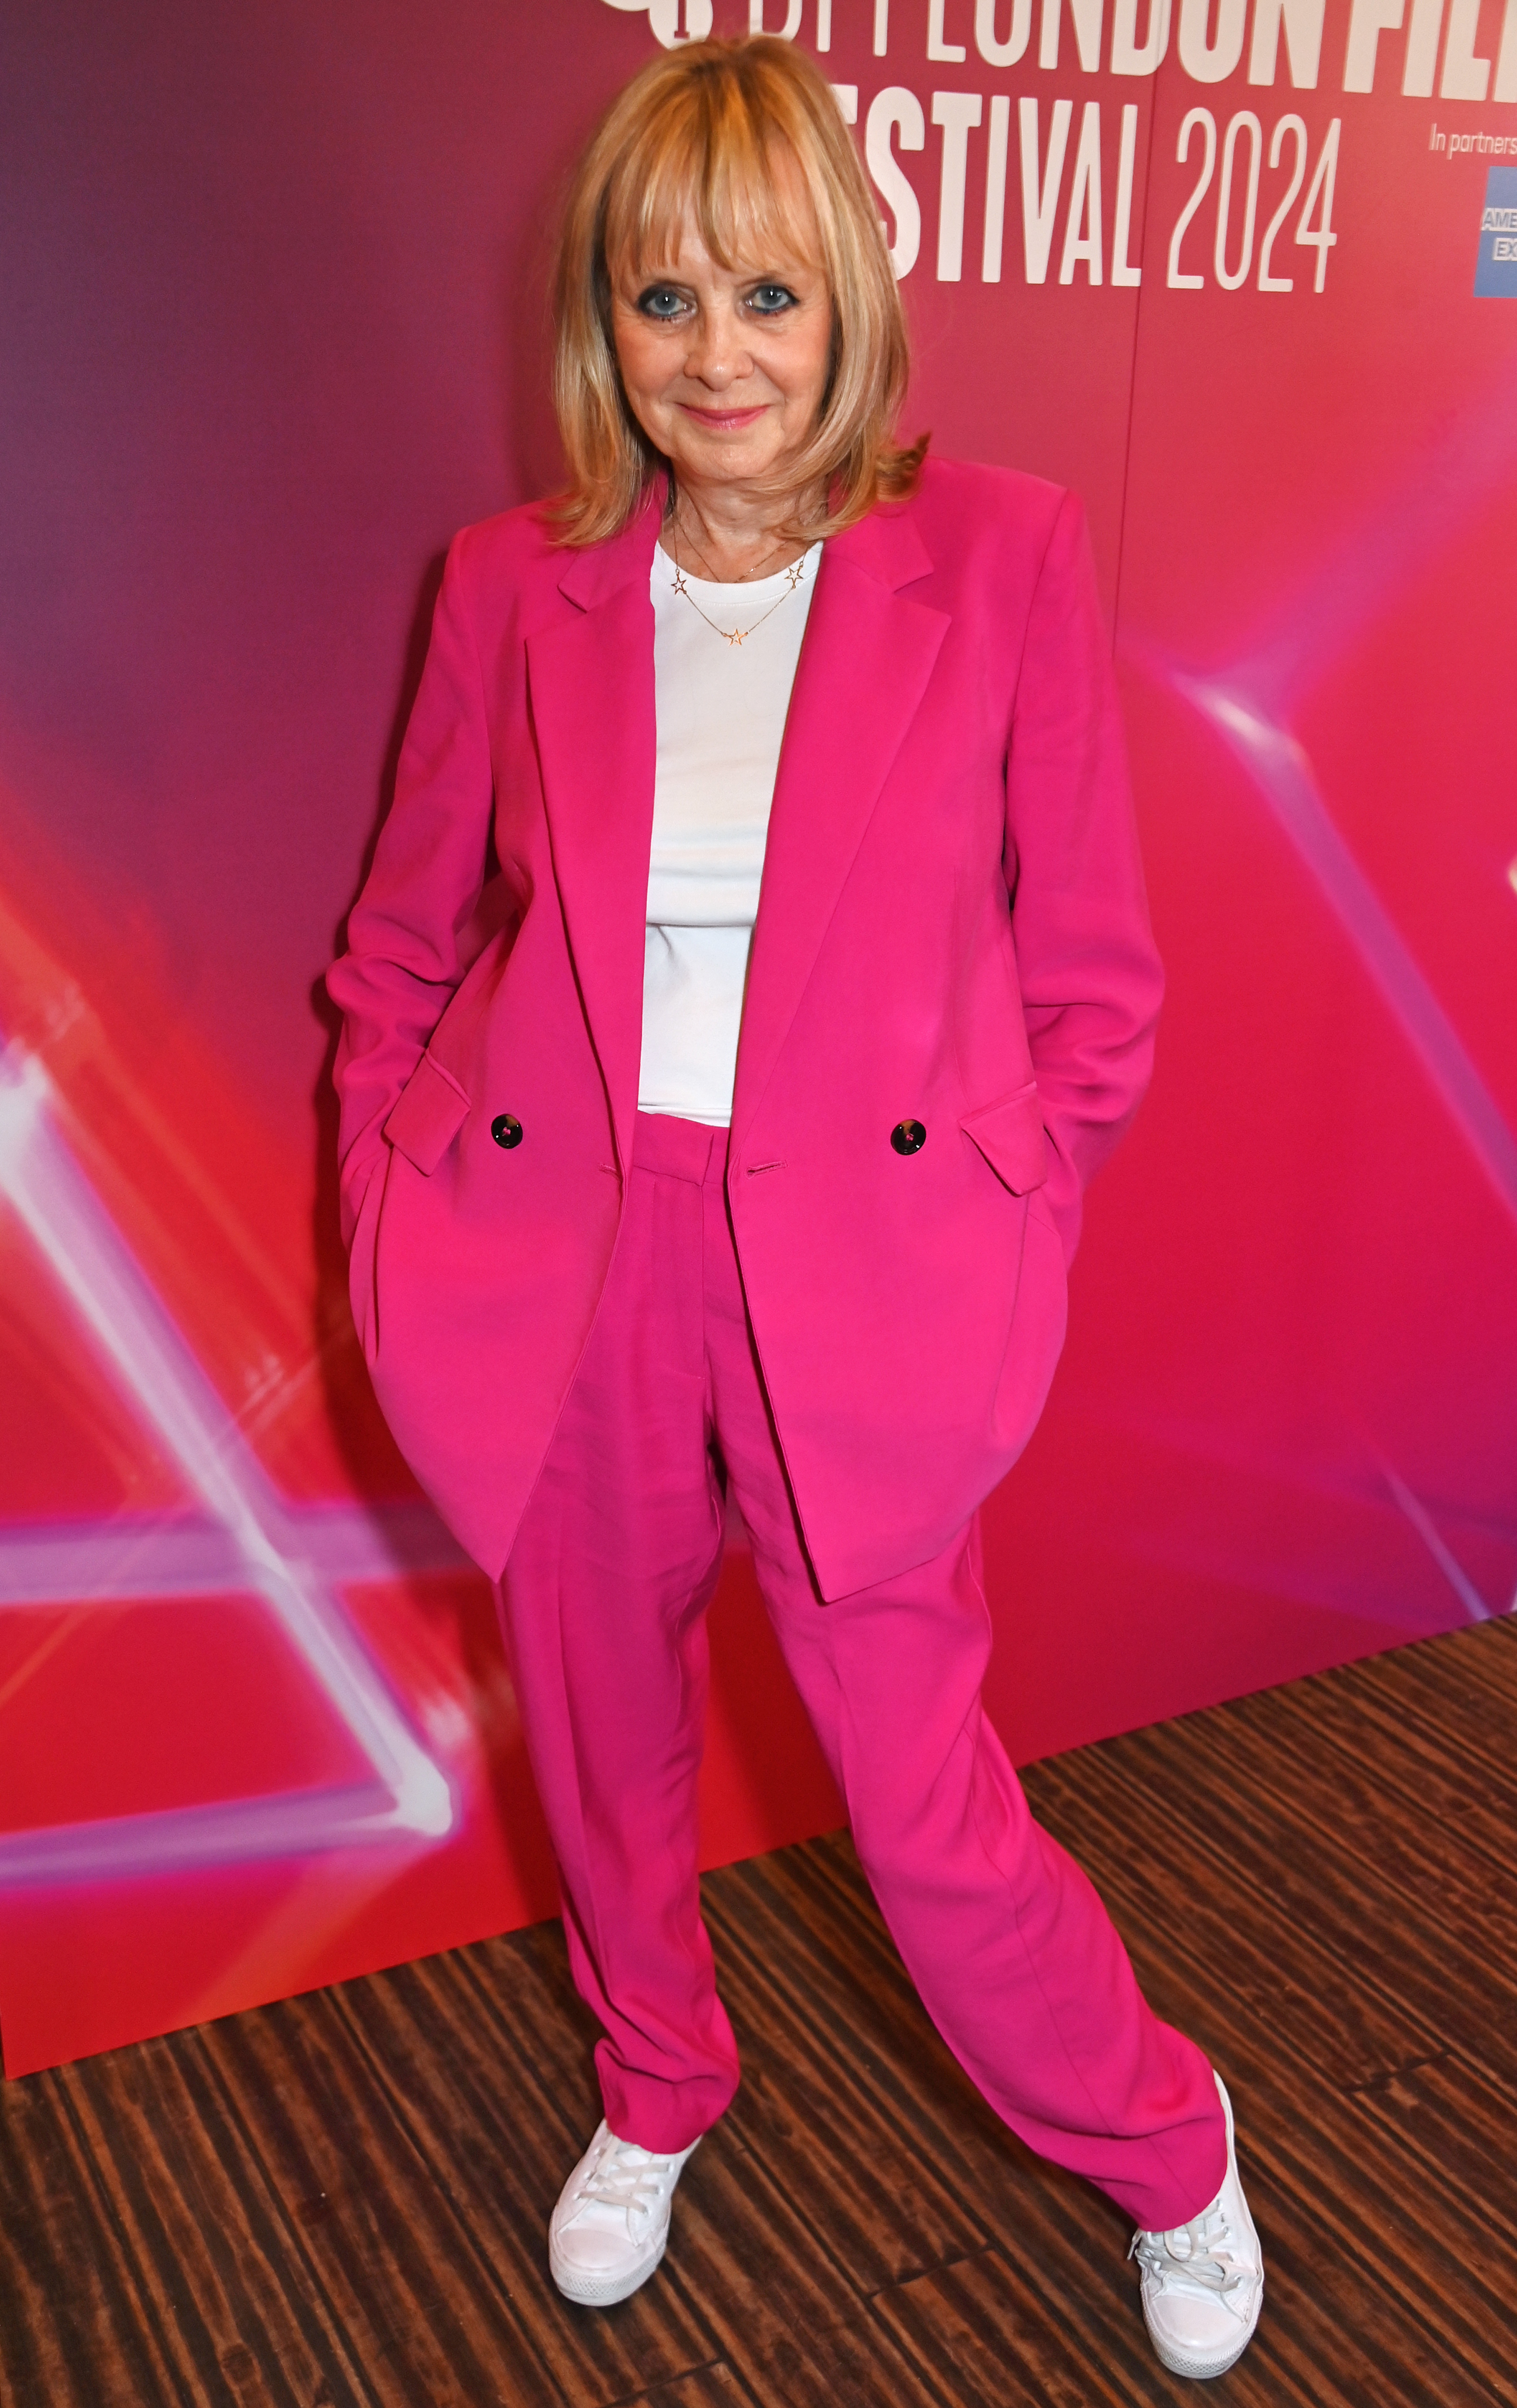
(1203, 2284)
(608, 2231)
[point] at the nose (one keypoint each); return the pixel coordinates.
(718, 356)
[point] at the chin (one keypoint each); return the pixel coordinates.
(719, 459)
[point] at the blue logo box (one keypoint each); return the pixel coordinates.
(1496, 272)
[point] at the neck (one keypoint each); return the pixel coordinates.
(735, 534)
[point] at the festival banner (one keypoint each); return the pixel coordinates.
(1244, 273)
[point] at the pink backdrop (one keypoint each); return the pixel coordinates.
(274, 317)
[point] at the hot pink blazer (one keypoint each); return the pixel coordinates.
(951, 930)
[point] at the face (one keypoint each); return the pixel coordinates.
(724, 368)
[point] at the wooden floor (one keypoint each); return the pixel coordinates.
(341, 2200)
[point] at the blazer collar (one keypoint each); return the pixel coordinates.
(870, 648)
(590, 678)
(886, 546)
(591, 577)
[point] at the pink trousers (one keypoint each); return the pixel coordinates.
(604, 1600)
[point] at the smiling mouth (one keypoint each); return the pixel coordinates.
(718, 419)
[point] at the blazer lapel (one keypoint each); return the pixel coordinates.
(867, 654)
(592, 685)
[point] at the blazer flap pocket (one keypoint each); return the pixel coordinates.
(1010, 1137)
(427, 1115)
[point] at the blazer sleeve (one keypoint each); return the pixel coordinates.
(405, 955)
(1089, 972)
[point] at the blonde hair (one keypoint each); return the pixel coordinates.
(746, 138)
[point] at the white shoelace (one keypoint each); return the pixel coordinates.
(1194, 2258)
(624, 2178)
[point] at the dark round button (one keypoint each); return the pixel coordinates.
(908, 1136)
(506, 1130)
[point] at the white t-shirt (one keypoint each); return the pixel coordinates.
(721, 712)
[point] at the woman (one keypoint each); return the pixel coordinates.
(745, 1151)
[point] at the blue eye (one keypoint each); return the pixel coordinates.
(660, 301)
(769, 299)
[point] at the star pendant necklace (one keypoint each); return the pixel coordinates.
(733, 637)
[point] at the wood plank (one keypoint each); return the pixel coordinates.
(708, 2386)
(826, 2101)
(1275, 1892)
(1387, 1890)
(786, 2315)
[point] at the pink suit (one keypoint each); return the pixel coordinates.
(859, 1338)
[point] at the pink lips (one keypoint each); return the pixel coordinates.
(721, 419)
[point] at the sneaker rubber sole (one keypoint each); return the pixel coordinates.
(602, 2290)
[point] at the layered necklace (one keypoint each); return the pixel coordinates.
(736, 636)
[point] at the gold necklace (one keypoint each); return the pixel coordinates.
(753, 574)
(736, 636)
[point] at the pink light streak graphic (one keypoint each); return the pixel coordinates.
(1251, 701)
(243, 1538)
